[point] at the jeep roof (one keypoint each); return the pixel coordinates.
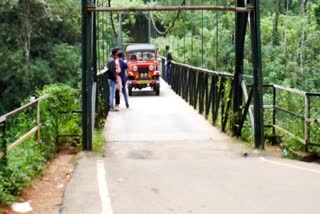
(140, 47)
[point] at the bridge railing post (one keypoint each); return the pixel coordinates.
(38, 121)
(3, 145)
(306, 121)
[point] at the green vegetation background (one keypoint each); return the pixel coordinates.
(39, 45)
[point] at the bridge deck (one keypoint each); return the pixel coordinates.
(163, 157)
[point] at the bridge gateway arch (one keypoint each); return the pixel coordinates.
(245, 10)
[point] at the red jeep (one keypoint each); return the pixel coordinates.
(143, 67)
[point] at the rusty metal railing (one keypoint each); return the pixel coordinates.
(34, 130)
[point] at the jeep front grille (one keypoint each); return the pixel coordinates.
(143, 69)
(143, 72)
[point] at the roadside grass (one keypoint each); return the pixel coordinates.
(99, 143)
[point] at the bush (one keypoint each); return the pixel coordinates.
(29, 159)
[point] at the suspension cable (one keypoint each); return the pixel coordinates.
(112, 23)
(202, 37)
(172, 24)
(217, 37)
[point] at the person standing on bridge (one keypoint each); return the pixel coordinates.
(119, 82)
(112, 77)
(168, 64)
(123, 75)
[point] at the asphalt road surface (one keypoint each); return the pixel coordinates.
(162, 157)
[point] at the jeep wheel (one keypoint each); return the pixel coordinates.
(157, 89)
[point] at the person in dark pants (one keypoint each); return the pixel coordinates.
(168, 64)
(119, 83)
(112, 77)
(123, 75)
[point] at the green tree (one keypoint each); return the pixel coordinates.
(36, 31)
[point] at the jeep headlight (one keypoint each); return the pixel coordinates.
(151, 67)
(134, 68)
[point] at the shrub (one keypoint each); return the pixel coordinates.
(29, 159)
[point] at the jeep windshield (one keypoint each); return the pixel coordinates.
(141, 55)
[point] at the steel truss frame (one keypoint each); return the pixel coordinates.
(243, 10)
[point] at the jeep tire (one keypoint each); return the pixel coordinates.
(157, 89)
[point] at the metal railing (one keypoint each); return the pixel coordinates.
(205, 90)
(211, 93)
(102, 101)
(208, 91)
(299, 109)
(11, 125)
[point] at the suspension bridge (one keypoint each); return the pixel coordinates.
(163, 158)
(165, 153)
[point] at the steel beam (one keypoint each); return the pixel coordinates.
(120, 31)
(169, 8)
(94, 49)
(257, 75)
(87, 75)
(149, 28)
(84, 74)
(241, 26)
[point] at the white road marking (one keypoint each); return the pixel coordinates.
(291, 166)
(103, 189)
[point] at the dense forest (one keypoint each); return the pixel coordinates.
(39, 45)
(40, 41)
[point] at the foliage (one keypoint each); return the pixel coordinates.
(40, 45)
(28, 160)
(316, 10)
(67, 71)
(98, 144)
